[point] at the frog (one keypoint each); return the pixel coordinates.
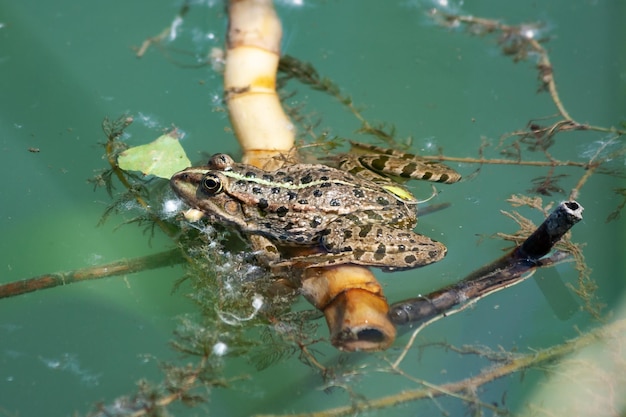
(345, 214)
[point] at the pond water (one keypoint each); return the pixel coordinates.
(68, 64)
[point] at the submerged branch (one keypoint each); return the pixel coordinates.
(490, 374)
(144, 263)
(502, 273)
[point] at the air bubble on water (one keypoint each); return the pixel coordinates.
(234, 320)
(148, 120)
(435, 7)
(292, 3)
(131, 205)
(69, 363)
(174, 28)
(171, 207)
(216, 98)
(428, 145)
(257, 302)
(220, 349)
(528, 31)
(600, 149)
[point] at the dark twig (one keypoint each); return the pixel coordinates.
(504, 272)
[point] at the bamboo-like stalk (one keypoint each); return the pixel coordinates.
(349, 295)
(261, 126)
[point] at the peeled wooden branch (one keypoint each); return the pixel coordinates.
(353, 304)
(504, 272)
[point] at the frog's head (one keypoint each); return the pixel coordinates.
(204, 189)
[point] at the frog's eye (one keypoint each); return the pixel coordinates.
(212, 184)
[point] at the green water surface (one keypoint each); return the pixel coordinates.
(67, 64)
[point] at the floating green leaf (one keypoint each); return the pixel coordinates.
(161, 158)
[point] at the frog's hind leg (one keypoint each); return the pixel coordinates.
(379, 246)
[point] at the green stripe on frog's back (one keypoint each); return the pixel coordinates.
(289, 185)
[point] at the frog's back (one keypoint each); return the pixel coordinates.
(307, 188)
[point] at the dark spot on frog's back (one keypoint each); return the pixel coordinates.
(438, 254)
(262, 204)
(410, 259)
(306, 179)
(365, 230)
(379, 256)
(315, 222)
(317, 193)
(358, 193)
(335, 203)
(282, 211)
(250, 174)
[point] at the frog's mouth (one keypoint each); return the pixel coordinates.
(186, 183)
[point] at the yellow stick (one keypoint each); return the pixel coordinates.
(261, 126)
